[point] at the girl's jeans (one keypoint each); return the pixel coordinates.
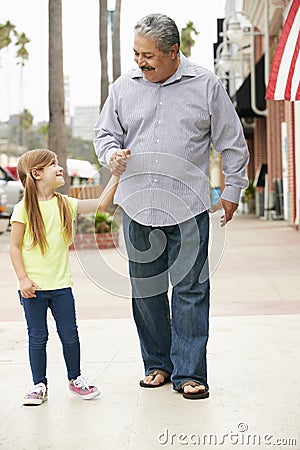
(175, 340)
(62, 306)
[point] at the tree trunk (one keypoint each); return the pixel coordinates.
(116, 51)
(103, 22)
(57, 135)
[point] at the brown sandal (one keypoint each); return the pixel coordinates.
(202, 393)
(153, 374)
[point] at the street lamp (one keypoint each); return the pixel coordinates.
(239, 40)
(224, 57)
(231, 61)
(235, 32)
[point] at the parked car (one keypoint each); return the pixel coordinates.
(13, 189)
(4, 217)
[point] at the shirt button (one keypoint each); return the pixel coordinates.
(156, 161)
(157, 140)
(160, 103)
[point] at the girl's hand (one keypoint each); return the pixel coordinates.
(28, 287)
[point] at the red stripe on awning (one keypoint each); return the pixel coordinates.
(298, 93)
(287, 93)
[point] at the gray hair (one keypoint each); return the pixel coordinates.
(160, 29)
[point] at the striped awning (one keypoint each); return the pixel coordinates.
(284, 81)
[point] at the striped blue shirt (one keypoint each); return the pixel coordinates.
(169, 129)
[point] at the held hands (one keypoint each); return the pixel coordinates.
(28, 287)
(118, 162)
(229, 210)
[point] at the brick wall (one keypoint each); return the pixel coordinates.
(260, 142)
(95, 241)
(289, 119)
(274, 119)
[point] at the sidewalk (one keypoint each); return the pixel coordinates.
(253, 357)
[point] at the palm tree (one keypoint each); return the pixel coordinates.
(26, 120)
(22, 52)
(103, 46)
(22, 55)
(116, 53)
(57, 135)
(7, 33)
(8, 29)
(43, 130)
(103, 21)
(186, 40)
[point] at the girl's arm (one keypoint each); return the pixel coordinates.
(101, 203)
(27, 286)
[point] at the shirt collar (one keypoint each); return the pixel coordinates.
(185, 69)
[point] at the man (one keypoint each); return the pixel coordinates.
(168, 112)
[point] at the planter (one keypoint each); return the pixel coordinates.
(251, 205)
(93, 241)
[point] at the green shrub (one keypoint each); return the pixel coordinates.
(101, 222)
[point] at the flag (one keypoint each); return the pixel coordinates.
(284, 81)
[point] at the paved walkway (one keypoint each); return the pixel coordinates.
(253, 356)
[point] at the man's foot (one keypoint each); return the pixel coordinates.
(193, 391)
(83, 389)
(37, 395)
(155, 379)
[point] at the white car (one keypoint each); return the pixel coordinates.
(4, 217)
(13, 189)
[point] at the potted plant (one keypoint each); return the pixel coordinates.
(96, 230)
(249, 197)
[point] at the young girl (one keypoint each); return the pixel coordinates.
(41, 232)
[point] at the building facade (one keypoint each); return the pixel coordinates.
(250, 33)
(84, 121)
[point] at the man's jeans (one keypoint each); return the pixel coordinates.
(173, 341)
(61, 304)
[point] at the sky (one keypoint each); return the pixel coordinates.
(81, 47)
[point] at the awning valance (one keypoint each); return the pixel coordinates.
(243, 94)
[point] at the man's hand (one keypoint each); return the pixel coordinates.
(118, 162)
(229, 210)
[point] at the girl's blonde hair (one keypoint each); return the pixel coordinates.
(38, 159)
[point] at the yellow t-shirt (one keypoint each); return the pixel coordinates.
(51, 270)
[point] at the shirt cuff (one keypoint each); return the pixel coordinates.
(232, 194)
